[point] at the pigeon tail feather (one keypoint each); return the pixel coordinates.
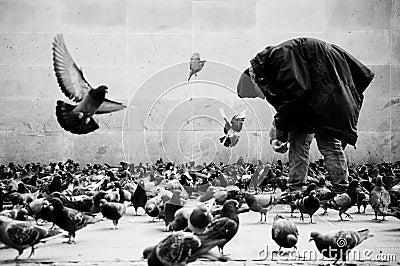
(70, 121)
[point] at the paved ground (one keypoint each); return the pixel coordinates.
(98, 244)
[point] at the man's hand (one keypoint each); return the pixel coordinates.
(279, 146)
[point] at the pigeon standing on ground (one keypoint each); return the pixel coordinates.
(171, 206)
(196, 65)
(21, 235)
(225, 226)
(262, 203)
(68, 219)
(284, 232)
(152, 207)
(181, 218)
(231, 127)
(379, 199)
(78, 119)
(337, 244)
(199, 219)
(309, 205)
(112, 210)
(181, 248)
(344, 201)
(139, 197)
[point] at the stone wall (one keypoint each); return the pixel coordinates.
(141, 48)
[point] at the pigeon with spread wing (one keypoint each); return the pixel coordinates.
(78, 119)
(231, 127)
(196, 65)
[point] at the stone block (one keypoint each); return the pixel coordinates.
(374, 115)
(157, 16)
(234, 49)
(158, 50)
(395, 146)
(290, 16)
(95, 147)
(142, 146)
(394, 107)
(33, 116)
(371, 146)
(380, 85)
(97, 49)
(370, 47)
(29, 82)
(224, 16)
(22, 147)
(396, 47)
(26, 48)
(162, 114)
(91, 16)
(358, 15)
(396, 15)
(395, 80)
(31, 16)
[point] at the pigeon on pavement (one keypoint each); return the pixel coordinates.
(337, 244)
(262, 203)
(379, 199)
(139, 197)
(308, 205)
(225, 225)
(21, 235)
(284, 232)
(181, 248)
(69, 219)
(112, 210)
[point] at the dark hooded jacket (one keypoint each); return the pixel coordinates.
(314, 86)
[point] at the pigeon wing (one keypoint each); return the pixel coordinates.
(109, 106)
(22, 234)
(69, 76)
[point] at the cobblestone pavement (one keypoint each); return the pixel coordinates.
(98, 244)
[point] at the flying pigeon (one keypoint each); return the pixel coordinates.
(196, 65)
(78, 119)
(231, 127)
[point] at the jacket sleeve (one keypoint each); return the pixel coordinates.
(291, 85)
(275, 133)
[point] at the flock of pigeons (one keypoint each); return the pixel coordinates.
(199, 204)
